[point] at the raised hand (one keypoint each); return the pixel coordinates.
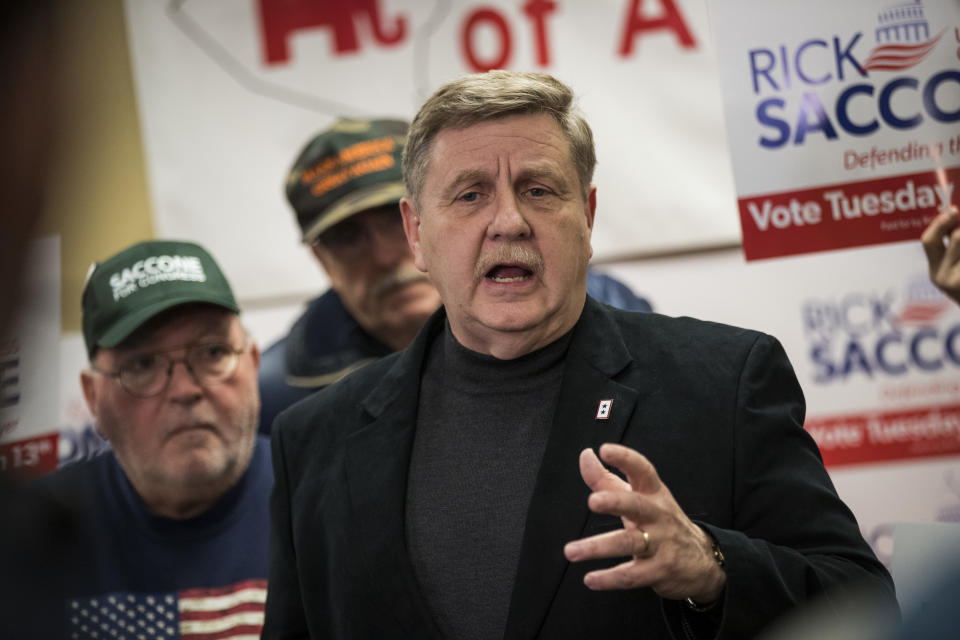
(667, 551)
(941, 242)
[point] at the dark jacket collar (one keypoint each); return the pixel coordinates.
(597, 341)
(326, 342)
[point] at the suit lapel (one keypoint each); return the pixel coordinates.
(377, 463)
(558, 508)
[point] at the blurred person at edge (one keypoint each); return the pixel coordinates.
(345, 187)
(176, 511)
(30, 121)
(941, 243)
(435, 494)
(937, 617)
(39, 538)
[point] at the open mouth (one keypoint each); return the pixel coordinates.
(512, 264)
(505, 273)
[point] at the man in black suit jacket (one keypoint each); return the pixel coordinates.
(434, 493)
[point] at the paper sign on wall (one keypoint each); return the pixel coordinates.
(843, 119)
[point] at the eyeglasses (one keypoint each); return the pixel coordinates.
(148, 374)
(354, 236)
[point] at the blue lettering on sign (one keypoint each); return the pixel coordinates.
(843, 118)
(895, 354)
(894, 365)
(779, 71)
(814, 63)
(929, 95)
(886, 111)
(810, 105)
(840, 56)
(855, 314)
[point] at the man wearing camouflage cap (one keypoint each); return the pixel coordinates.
(345, 187)
(177, 509)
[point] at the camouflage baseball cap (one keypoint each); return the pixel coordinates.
(350, 167)
(133, 286)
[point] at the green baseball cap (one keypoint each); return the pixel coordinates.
(350, 167)
(133, 286)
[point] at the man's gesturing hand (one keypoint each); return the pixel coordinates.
(667, 551)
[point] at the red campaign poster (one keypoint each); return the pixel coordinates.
(840, 216)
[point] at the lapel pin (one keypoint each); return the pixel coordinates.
(603, 409)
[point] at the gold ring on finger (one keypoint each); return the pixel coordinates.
(646, 542)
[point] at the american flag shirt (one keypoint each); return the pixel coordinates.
(146, 577)
(233, 612)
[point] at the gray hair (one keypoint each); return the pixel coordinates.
(480, 97)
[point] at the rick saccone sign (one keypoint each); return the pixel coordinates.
(843, 119)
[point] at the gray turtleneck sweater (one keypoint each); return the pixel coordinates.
(482, 428)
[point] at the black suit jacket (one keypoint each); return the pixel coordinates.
(716, 409)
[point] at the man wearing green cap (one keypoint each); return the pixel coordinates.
(345, 187)
(177, 509)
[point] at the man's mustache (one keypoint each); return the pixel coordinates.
(510, 254)
(399, 277)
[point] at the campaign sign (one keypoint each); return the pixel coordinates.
(897, 343)
(843, 119)
(230, 92)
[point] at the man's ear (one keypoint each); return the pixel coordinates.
(255, 354)
(321, 256)
(91, 394)
(591, 210)
(411, 226)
